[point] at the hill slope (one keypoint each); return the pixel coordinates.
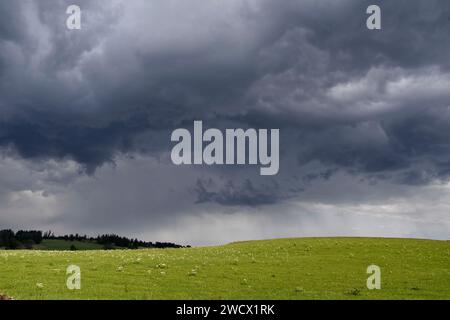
(48, 244)
(304, 268)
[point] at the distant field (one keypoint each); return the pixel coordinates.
(304, 268)
(65, 245)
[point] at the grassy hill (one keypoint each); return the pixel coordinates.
(50, 244)
(304, 268)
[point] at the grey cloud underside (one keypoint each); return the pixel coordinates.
(371, 102)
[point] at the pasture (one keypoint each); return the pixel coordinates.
(300, 268)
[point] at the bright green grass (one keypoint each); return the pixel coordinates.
(310, 268)
(65, 245)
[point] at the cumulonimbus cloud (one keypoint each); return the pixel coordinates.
(371, 103)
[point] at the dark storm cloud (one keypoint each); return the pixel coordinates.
(245, 194)
(349, 98)
(90, 146)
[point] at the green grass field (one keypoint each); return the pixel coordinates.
(65, 245)
(304, 268)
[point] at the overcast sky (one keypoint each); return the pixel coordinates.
(364, 117)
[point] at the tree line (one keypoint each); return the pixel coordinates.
(27, 239)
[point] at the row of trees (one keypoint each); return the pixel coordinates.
(27, 239)
(115, 240)
(20, 239)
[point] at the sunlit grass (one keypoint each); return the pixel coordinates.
(310, 268)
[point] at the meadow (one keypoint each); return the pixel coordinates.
(300, 268)
(55, 245)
